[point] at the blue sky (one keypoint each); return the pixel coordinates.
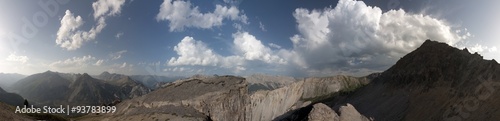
(238, 37)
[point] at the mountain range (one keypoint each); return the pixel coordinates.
(434, 82)
(53, 88)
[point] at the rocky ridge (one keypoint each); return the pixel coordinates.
(223, 98)
(434, 82)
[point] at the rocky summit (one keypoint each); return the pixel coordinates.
(434, 82)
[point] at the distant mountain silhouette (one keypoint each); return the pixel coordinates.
(150, 81)
(7, 79)
(53, 88)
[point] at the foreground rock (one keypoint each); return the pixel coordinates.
(321, 112)
(349, 113)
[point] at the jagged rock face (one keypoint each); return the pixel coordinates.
(434, 82)
(217, 98)
(321, 112)
(269, 105)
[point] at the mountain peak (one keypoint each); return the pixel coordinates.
(434, 61)
(85, 76)
(105, 73)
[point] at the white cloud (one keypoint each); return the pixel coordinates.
(274, 46)
(480, 48)
(351, 38)
(253, 49)
(249, 52)
(75, 62)
(192, 52)
(492, 49)
(16, 58)
(356, 36)
(107, 7)
(262, 26)
(123, 65)
(118, 35)
(117, 55)
(99, 62)
(182, 14)
(71, 38)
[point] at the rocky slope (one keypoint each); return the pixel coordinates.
(434, 82)
(206, 98)
(7, 114)
(10, 98)
(267, 82)
(279, 104)
(222, 98)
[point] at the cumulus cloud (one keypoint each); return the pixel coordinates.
(107, 7)
(192, 52)
(117, 55)
(352, 38)
(181, 14)
(69, 35)
(75, 62)
(252, 49)
(356, 36)
(16, 58)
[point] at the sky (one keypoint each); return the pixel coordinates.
(297, 38)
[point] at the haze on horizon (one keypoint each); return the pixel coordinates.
(236, 37)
